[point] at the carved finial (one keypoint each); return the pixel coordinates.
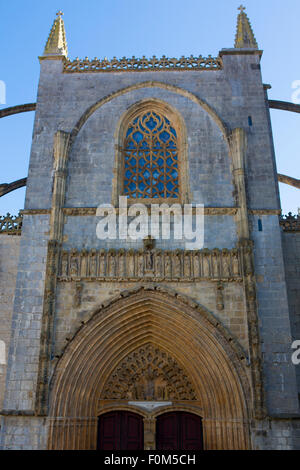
(244, 38)
(56, 43)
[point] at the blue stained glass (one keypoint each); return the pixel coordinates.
(164, 136)
(151, 124)
(130, 145)
(152, 174)
(138, 136)
(132, 161)
(157, 144)
(144, 145)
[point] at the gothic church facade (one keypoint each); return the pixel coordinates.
(130, 344)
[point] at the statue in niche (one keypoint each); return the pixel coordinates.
(235, 263)
(196, 264)
(130, 263)
(74, 266)
(112, 264)
(83, 263)
(140, 264)
(102, 263)
(206, 265)
(64, 265)
(177, 264)
(187, 265)
(215, 263)
(93, 264)
(121, 263)
(149, 260)
(225, 264)
(167, 265)
(157, 263)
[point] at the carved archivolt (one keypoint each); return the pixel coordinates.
(153, 264)
(148, 374)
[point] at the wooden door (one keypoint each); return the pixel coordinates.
(179, 431)
(120, 430)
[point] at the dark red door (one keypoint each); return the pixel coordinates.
(120, 430)
(179, 431)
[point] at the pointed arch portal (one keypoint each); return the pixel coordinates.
(209, 380)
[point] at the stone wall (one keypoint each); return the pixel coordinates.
(23, 360)
(9, 254)
(211, 103)
(291, 253)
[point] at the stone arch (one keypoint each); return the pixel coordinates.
(186, 332)
(177, 121)
(148, 373)
(152, 84)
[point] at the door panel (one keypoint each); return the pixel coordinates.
(120, 430)
(179, 431)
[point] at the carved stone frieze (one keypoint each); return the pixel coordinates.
(148, 374)
(152, 264)
(135, 64)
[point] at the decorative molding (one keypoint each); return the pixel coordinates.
(35, 211)
(249, 281)
(135, 64)
(148, 374)
(11, 224)
(290, 223)
(149, 405)
(86, 211)
(152, 265)
(265, 211)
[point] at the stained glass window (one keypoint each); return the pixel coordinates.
(150, 154)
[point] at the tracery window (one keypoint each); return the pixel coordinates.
(150, 157)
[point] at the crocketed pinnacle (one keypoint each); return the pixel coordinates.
(57, 44)
(244, 38)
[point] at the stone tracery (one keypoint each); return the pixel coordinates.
(148, 373)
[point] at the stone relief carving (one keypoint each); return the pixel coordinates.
(152, 264)
(148, 374)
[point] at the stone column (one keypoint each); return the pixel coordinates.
(149, 433)
(238, 142)
(61, 145)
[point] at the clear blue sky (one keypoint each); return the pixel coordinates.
(145, 27)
